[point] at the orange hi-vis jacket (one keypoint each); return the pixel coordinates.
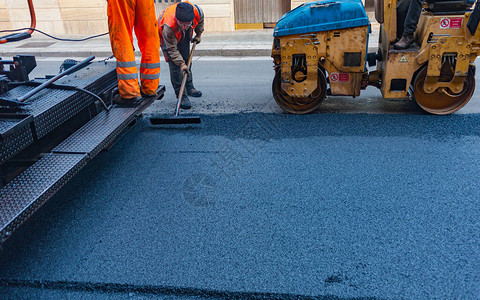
(123, 17)
(167, 17)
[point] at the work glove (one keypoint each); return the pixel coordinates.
(197, 39)
(183, 68)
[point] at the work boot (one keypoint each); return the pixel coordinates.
(405, 42)
(149, 95)
(124, 101)
(185, 104)
(154, 94)
(194, 93)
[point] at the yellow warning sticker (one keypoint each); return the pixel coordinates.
(403, 59)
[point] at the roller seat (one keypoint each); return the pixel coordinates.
(449, 7)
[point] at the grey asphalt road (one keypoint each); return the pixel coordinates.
(243, 85)
(254, 203)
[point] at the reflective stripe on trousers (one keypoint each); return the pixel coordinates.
(123, 15)
(149, 71)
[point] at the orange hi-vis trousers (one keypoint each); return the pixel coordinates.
(123, 16)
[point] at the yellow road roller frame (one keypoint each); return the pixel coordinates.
(299, 85)
(440, 69)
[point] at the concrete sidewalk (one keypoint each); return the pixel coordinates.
(236, 43)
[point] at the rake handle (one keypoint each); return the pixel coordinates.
(184, 81)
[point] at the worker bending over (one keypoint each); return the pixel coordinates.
(176, 25)
(123, 17)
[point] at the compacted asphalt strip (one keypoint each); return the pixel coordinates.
(347, 205)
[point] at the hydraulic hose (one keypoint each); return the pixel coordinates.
(23, 35)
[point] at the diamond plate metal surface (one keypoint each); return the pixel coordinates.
(98, 133)
(30, 190)
(49, 109)
(58, 114)
(6, 125)
(52, 107)
(93, 78)
(15, 134)
(15, 143)
(94, 136)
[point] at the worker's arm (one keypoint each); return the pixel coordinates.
(170, 44)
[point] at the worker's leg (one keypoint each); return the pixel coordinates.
(184, 49)
(411, 20)
(413, 15)
(175, 76)
(149, 43)
(402, 9)
(121, 17)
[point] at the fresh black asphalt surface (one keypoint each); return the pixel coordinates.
(264, 205)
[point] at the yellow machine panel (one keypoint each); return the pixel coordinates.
(437, 70)
(340, 54)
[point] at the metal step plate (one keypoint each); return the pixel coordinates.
(30, 190)
(98, 133)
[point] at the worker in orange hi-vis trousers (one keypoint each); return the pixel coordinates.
(123, 17)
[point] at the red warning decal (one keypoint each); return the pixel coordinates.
(339, 77)
(344, 77)
(451, 23)
(456, 23)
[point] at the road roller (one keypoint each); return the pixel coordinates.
(321, 48)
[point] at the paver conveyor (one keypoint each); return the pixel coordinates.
(48, 139)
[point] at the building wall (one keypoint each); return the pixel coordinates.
(60, 17)
(89, 17)
(219, 14)
(296, 3)
(76, 17)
